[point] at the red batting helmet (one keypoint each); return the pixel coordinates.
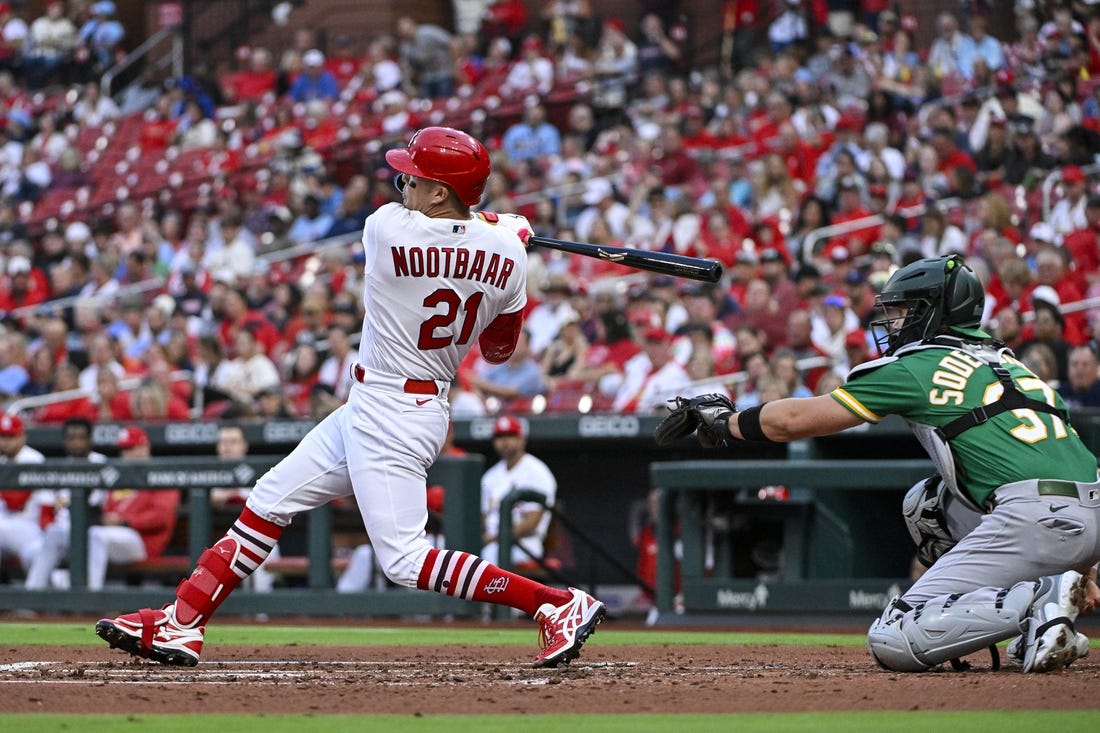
(448, 156)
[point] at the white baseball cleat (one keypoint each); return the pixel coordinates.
(1015, 649)
(1050, 641)
(153, 634)
(564, 629)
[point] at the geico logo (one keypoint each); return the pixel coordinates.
(105, 434)
(481, 429)
(599, 426)
(191, 433)
(285, 432)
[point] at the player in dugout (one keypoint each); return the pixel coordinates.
(437, 278)
(1015, 484)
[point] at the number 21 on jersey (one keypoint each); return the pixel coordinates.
(452, 304)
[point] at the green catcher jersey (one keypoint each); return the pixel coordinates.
(933, 384)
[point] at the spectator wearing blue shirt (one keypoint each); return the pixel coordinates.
(315, 81)
(1082, 389)
(311, 225)
(101, 34)
(532, 136)
(981, 45)
(518, 378)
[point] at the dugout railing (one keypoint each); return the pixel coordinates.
(460, 476)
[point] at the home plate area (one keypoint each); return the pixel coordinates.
(138, 672)
(459, 679)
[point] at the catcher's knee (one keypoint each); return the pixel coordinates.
(889, 645)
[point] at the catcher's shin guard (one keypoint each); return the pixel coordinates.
(914, 639)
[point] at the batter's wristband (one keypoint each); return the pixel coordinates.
(748, 422)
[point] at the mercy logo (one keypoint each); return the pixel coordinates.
(497, 585)
(751, 601)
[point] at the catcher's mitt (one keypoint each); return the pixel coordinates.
(706, 414)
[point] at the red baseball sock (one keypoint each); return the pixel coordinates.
(222, 567)
(463, 575)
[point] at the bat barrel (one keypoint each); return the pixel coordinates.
(667, 263)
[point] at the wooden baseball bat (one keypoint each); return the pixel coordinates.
(693, 268)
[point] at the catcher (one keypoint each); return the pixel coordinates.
(1025, 486)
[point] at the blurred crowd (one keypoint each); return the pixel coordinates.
(159, 253)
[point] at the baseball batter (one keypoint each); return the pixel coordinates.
(1002, 444)
(437, 278)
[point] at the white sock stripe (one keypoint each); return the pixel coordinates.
(246, 563)
(433, 578)
(242, 532)
(461, 565)
(479, 570)
(259, 550)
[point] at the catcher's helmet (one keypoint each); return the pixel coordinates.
(939, 295)
(448, 156)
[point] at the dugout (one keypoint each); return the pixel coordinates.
(842, 547)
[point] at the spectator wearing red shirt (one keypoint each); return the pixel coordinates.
(773, 269)
(251, 84)
(66, 379)
(158, 127)
(343, 62)
(507, 18)
(671, 161)
(800, 342)
(1051, 270)
(950, 154)
(614, 346)
(239, 316)
(114, 405)
(1083, 246)
(24, 286)
(850, 208)
(720, 242)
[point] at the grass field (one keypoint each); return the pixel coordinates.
(982, 722)
(80, 634)
(69, 634)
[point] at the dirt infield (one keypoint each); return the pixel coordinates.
(499, 679)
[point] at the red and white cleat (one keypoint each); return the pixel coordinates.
(564, 629)
(153, 634)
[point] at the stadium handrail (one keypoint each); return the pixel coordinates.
(71, 300)
(866, 222)
(125, 384)
(174, 57)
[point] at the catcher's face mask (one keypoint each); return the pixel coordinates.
(901, 322)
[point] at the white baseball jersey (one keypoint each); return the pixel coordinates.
(432, 285)
(528, 473)
(20, 531)
(38, 497)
